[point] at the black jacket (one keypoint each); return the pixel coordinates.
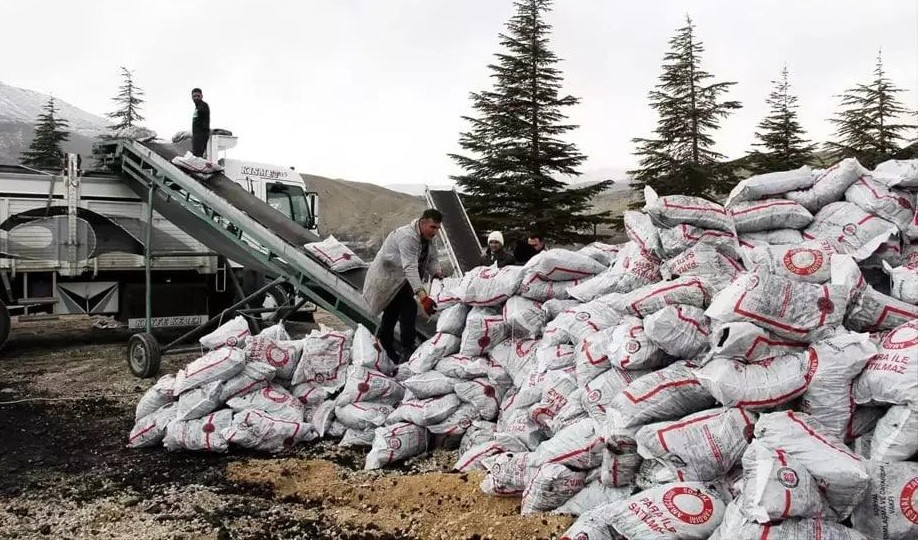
(502, 258)
(200, 122)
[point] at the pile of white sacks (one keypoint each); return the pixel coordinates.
(727, 373)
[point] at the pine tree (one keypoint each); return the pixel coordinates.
(780, 133)
(129, 100)
(681, 159)
(50, 131)
(867, 127)
(510, 179)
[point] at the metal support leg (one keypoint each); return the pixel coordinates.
(238, 289)
(148, 261)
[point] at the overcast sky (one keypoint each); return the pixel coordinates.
(373, 90)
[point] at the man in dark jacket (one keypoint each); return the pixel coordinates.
(200, 123)
(496, 253)
(532, 246)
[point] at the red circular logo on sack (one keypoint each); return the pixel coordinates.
(465, 423)
(902, 338)
(689, 505)
(484, 341)
(346, 256)
(594, 395)
(788, 477)
(907, 502)
(824, 304)
(489, 390)
(276, 356)
(208, 428)
(394, 443)
(276, 397)
(363, 387)
(633, 347)
(320, 378)
(802, 261)
(752, 283)
(582, 316)
(232, 341)
(849, 229)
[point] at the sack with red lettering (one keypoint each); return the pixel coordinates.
(574, 324)
(160, 394)
(452, 319)
(599, 392)
(601, 252)
(471, 459)
(254, 375)
(892, 375)
(680, 331)
(508, 473)
(830, 185)
(486, 286)
(673, 210)
(665, 394)
(828, 396)
(274, 400)
(890, 507)
(792, 309)
(310, 396)
(462, 367)
(633, 269)
(893, 205)
(282, 355)
(516, 357)
(394, 443)
(803, 262)
(874, 311)
(704, 261)
(631, 348)
(841, 474)
(364, 384)
(326, 355)
(773, 237)
(150, 429)
(678, 510)
(746, 342)
(619, 468)
(429, 353)
(518, 432)
(776, 487)
(199, 401)
(363, 415)
(232, 333)
(484, 328)
(255, 430)
(525, 317)
(429, 384)
(367, 352)
(217, 365)
(552, 357)
(590, 358)
(205, 433)
(540, 289)
(904, 282)
(445, 292)
(849, 229)
(702, 446)
(640, 229)
(578, 445)
(756, 386)
(593, 494)
(897, 172)
(895, 437)
(769, 214)
(556, 391)
(337, 256)
(735, 526)
(551, 486)
(689, 291)
(682, 237)
(425, 412)
(562, 265)
(482, 395)
(763, 186)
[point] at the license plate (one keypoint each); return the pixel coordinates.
(169, 322)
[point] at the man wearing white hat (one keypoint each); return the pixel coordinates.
(496, 252)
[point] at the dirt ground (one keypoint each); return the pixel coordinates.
(67, 404)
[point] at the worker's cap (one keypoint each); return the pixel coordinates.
(496, 236)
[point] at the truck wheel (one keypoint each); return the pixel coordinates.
(143, 355)
(6, 325)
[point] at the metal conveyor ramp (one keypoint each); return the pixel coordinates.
(457, 232)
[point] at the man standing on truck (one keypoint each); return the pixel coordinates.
(200, 123)
(397, 276)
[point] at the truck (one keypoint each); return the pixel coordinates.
(72, 242)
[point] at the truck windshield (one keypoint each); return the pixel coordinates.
(290, 201)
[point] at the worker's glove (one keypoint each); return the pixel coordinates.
(430, 307)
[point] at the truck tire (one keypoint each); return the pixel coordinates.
(143, 355)
(6, 325)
